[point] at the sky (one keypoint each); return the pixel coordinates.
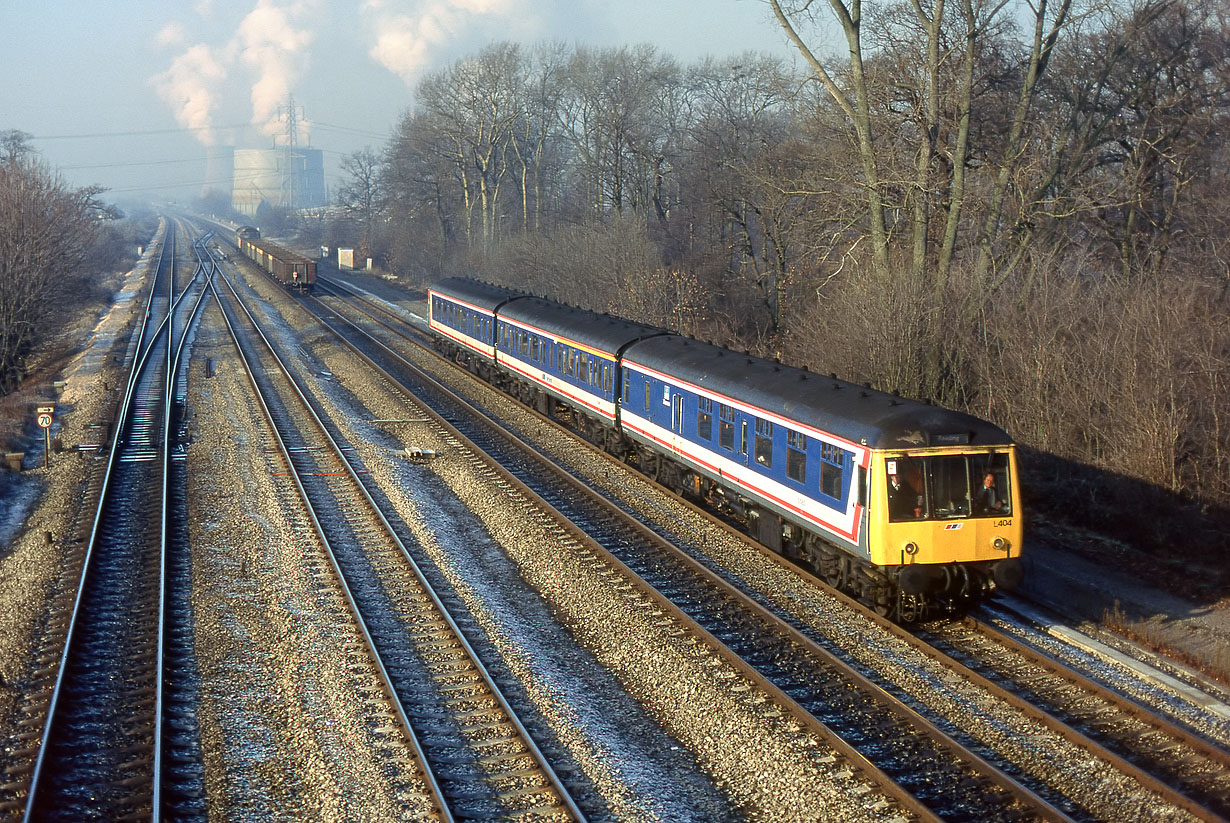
(128, 94)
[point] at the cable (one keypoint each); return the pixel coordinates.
(136, 133)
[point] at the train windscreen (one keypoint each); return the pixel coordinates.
(949, 486)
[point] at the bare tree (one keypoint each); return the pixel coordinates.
(1171, 114)
(16, 145)
(607, 119)
(360, 197)
(46, 229)
(945, 47)
(534, 145)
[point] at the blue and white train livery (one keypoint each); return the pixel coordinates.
(910, 507)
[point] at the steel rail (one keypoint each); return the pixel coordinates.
(536, 754)
(87, 564)
(1042, 809)
(386, 681)
(1053, 724)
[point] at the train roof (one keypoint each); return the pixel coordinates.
(475, 292)
(852, 412)
(603, 332)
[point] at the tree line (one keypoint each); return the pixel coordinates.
(1011, 208)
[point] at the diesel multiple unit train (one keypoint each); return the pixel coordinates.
(912, 508)
(287, 267)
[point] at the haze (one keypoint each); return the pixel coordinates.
(129, 94)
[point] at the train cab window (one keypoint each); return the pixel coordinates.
(905, 489)
(951, 486)
(704, 418)
(796, 456)
(764, 443)
(992, 494)
(726, 428)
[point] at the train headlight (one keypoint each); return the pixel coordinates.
(1000, 544)
(911, 548)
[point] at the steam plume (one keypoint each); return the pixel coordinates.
(187, 86)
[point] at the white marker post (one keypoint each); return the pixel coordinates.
(44, 422)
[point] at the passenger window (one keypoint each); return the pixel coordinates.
(764, 443)
(704, 418)
(796, 456)
(830, 480)
(832, 461)
(726, 429)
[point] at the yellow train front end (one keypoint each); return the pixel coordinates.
(945, 524)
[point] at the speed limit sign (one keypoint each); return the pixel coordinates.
(44, 420)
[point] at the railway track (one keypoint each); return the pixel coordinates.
(830, 696)
(105, 728)
(1193, 784)
(1166, 754)
(473, 754)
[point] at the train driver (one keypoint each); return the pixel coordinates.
(988, 500)
(903, 502)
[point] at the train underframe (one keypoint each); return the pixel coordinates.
(898, 593)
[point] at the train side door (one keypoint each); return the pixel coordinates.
(677, 413)
(743, 442)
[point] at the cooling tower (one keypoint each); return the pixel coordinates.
(280, 178)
